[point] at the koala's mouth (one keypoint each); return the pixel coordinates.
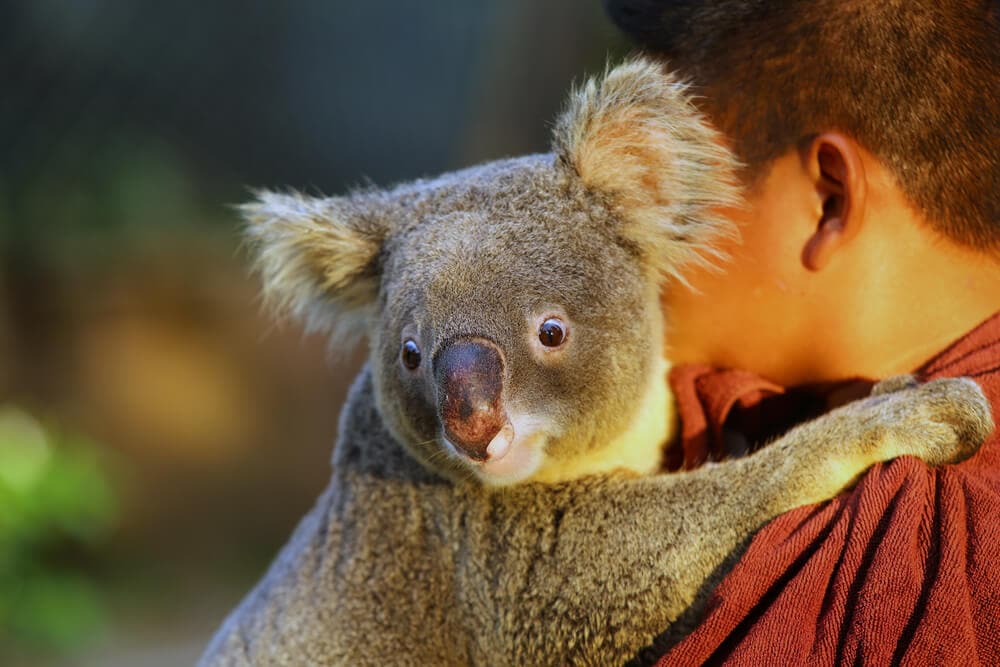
(513, 455)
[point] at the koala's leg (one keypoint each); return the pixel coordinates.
(667, 539)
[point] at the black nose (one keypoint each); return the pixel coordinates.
(469, 377)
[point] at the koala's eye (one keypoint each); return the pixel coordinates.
(410, 354)
(551, 333)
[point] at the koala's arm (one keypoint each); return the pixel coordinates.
(586, 572)
(667, 539)
(622, 559)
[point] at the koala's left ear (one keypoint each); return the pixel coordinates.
(635, 136)
(318, 257)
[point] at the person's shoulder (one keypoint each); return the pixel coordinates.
(975, 353)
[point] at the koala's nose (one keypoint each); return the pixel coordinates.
(469, 377)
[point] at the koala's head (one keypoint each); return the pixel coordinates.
(512, 308)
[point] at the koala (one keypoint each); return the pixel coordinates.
(496, 496)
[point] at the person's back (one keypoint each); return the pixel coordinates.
(871, 246)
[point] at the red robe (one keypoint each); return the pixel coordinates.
(902, 569)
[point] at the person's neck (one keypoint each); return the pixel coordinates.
(936, 292)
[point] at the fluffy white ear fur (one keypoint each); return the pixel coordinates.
(316, 258)
(635, 136)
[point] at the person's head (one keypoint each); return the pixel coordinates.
(869, 134)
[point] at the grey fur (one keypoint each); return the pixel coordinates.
(408, 557)
(397, 566)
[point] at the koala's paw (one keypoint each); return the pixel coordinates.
(942, 421)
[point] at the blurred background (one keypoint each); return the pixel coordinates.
(159, 434)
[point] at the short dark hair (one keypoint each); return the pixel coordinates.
(917, 82)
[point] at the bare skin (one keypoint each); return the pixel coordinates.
(832, 250)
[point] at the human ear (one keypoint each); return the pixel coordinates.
(833, 163)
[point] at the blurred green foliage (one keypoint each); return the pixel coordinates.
(133, 190)
(56, 504)
(126, 130)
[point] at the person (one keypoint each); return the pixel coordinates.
(870, 247)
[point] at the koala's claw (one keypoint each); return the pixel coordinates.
(894, 384)
(942, 421)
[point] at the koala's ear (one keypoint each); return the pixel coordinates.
(318, 257)
(635, 136)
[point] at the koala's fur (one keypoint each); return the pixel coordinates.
(414, 554)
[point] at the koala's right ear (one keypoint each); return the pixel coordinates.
(318, 257)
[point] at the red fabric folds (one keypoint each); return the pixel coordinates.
(904, 569)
